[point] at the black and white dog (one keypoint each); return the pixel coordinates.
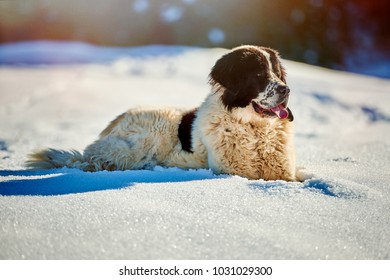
(244, 127)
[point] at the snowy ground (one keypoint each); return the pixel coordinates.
(342, 211)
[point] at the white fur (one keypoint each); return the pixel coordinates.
(242, 143)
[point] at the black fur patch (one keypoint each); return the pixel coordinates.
(185, 130)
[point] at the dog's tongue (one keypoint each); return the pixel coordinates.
(280, 111)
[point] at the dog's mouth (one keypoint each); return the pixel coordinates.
(280, 110)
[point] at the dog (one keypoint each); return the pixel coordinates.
(244, 127)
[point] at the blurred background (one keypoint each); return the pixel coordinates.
(352, 35)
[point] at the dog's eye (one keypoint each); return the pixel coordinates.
(259, 75)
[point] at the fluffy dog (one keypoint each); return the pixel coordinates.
(243, 127)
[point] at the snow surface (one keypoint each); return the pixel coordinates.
(342, 210)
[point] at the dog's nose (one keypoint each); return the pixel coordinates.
(283, 89)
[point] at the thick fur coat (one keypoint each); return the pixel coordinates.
(243, 127)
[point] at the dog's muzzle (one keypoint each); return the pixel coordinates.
(274, 102)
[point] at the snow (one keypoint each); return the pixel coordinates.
(61, 95)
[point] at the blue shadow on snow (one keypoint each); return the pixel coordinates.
(313, 185)
(67, 181)
(373, 114)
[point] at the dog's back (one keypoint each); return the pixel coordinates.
(138, 139)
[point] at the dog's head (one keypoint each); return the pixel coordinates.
(251, 75)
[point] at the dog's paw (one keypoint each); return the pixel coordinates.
(302, 174)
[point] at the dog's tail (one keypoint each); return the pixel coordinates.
(51, 158)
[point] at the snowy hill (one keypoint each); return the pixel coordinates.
(62, 95)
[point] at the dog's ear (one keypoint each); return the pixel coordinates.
(230, 75)
(222, 73)
(233, 69)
